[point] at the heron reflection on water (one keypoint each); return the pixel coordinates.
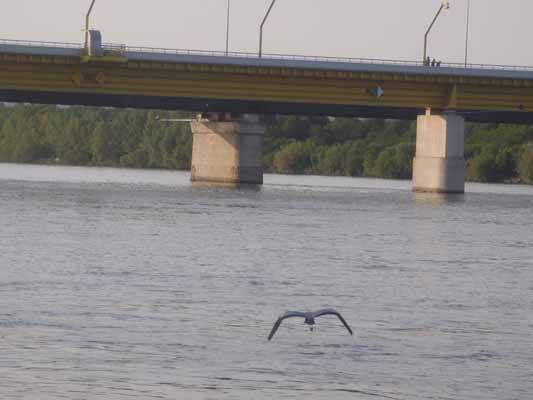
(309, 319)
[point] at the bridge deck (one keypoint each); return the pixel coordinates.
(45, 72)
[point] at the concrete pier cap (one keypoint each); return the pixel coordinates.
(439, 164)
(227, 148)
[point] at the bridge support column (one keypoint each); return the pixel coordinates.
(227, 149)
(439, 164)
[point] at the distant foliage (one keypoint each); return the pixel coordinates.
(293, 145)
(493, 151)
(345, 159)
(295, 158)
(90, 136)
(396, 162)
(340, 146)
(525, 164)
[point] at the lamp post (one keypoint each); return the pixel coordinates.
(467, 32)
(445, 5)
(261, 28)
(87, 24)
(227, 28)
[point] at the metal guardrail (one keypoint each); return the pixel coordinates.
(348, 60)
(32, 43)
(273, 56)
(114, 49)
(270, 56)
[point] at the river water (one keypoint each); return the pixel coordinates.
(120, 284)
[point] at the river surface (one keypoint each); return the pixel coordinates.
(121, 284)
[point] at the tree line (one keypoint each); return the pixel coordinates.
(293, 145)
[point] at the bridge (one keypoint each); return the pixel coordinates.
(228, 89)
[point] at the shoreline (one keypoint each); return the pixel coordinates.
(51, 163)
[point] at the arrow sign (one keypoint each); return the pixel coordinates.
(377, 92)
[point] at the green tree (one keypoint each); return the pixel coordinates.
(525, 165)
(295, 158)
(492, 164)
(342, 159)
(105, 148)
(395, 162)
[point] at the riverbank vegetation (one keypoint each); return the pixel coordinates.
(293, 145)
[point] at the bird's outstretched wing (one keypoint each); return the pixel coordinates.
(331, 311)
(289, 314)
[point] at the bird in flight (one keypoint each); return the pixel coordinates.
(309, 319)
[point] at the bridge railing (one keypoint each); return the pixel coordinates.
(348, 60)
(32, 43)
(114, 48)
(270, 56)
(246, 55)
(501, 67)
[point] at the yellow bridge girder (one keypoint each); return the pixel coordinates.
(65, 74)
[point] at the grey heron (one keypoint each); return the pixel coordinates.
(309, 319)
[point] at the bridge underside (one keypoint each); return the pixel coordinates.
(247, 106)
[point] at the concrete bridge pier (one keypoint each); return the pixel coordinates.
(227, 148)
(439, 164)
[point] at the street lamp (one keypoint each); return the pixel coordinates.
(261, 28)
(467, 32)
(227, 29)
(87, 24)
(445, 5)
